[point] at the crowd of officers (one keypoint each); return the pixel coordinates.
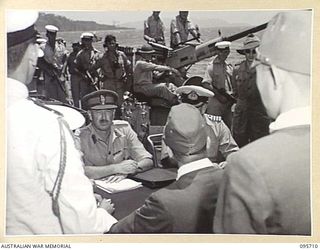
(262, 188)
(88, 69)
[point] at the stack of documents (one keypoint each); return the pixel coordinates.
(116, 187)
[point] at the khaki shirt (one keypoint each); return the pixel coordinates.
(184, 29)
(54, 56)
(85, 59)
(123, 144)
(113, 66)
(154, 28)
(219, 74)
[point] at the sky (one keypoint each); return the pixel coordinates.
(121, 17)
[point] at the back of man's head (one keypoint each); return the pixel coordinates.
(284, 62)
(286, 43)
(185, 133)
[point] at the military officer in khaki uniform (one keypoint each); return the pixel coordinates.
(110, 147)
(250, 119)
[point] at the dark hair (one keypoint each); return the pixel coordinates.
(109, 38)
(16, 53)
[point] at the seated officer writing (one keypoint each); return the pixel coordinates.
(188, 204)
(110, 147)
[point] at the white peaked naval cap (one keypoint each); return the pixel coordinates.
(86, 35)
(223, 44)
(51, 28)
(20, 26)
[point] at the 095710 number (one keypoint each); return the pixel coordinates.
(308, 245)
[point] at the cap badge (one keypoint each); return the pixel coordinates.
(102, 100)
(193, 96)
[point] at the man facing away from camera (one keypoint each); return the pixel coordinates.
(188, 204)
(47, 191)
(266, 186)
(220, 142)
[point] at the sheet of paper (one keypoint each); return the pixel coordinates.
(115, 187)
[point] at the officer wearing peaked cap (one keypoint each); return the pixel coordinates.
(110, 147)
(266, 186)
(44, 195)
(220, 142)
(250, 120)
(218, 76)
(188, 204)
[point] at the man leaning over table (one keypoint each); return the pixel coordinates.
(188, 204)
(110, 147)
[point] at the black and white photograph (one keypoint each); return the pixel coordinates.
(158, 122)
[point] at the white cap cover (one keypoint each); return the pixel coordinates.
(73, 117)
(20, 26)
(200, 91)
(51, 28)
(223, 44)
(86, 35)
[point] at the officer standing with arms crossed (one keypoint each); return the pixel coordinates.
(47, 191)
(110, 147)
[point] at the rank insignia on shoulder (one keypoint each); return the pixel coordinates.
(214, 118)
(120, 123)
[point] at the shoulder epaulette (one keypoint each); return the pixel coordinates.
(120, 123)
(214, 118)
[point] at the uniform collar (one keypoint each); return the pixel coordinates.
(292, 118)
(193, 166)
(16, 91)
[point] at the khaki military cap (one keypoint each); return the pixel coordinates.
(185, 130)
(101, 99)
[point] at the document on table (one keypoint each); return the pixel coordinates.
(116, 187)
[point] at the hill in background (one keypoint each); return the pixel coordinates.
(65, 24)
(203, 23)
